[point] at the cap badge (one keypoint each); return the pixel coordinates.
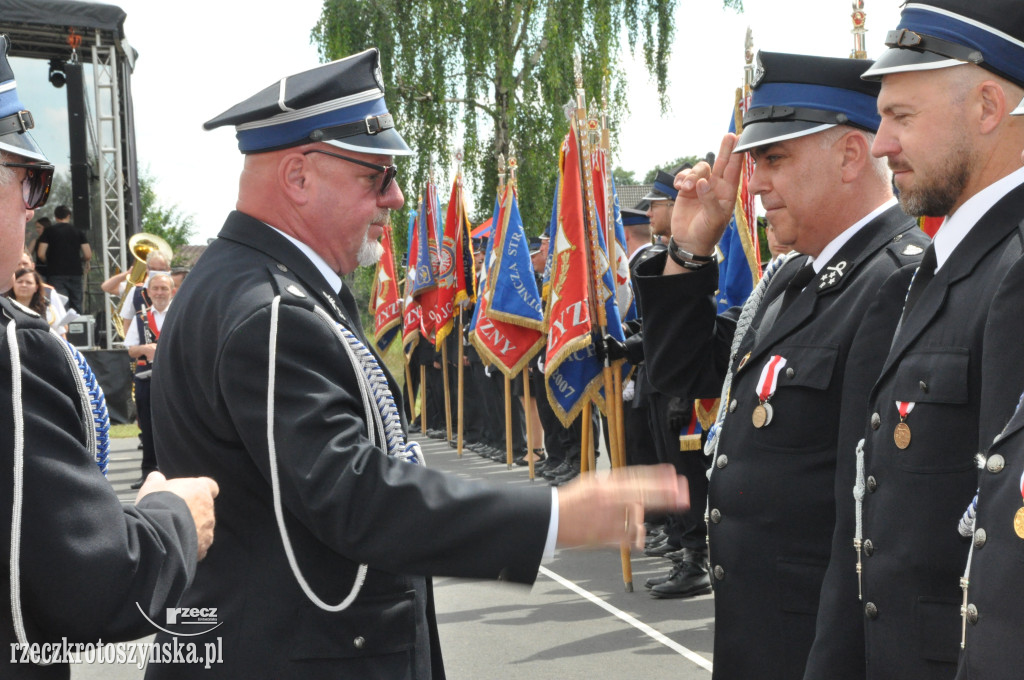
(759, 72)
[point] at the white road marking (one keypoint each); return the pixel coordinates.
(639, 625)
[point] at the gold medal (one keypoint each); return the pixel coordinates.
(762, 415)
(901, 435)
(1018, 523)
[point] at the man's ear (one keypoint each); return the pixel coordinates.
(856, 154)
(295, 177)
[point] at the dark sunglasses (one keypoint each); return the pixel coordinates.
(389, 170)
(35, 188)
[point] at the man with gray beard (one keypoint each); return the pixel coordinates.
(949, 84)
(330, 521)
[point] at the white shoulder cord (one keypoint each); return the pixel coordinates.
(89, 427)
(19, 470)
(381, 419)
(859, 487)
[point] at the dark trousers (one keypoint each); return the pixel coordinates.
(640, 446)
(145, 417)
(70, 286)
(685, 530)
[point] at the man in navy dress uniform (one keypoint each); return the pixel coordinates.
(329, 525)
(784, 356)
(78, 565)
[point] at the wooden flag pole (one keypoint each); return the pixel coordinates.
(461, 388)
(585, 437)
(447, 390)
(423, 399)
(408, 389)
(508, 422)
(525, 375)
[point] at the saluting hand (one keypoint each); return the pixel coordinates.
(705, 202)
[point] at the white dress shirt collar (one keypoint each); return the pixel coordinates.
(331, 276)
(838, 242)
(959, 224)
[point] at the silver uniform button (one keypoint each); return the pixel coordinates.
(995, 463)
(872, 484)
(716, 515)
(869, 548)
(719, 572)
(980, 536)
(722, 461)
(876, 421)
(972, 614)
(871, 611)
(790, 372)
(732, 406)
(282, 267)
(359, 642)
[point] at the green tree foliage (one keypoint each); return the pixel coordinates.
(495, 72)
(167, 222)
(623, 176)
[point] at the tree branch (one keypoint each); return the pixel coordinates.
(489, 110)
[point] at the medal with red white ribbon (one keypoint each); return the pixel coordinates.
(766, 385)
(1018, 519)
(901, 435)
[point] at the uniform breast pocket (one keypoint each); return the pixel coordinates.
(937, 382)
(805, 406)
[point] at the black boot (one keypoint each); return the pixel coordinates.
(689, 578)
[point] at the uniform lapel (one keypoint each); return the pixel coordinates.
(988, 233)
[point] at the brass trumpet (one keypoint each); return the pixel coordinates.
(141, 246)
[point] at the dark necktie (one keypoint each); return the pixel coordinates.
(796, 285)
(925, 273)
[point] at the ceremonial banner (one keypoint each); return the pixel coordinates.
(740, 265)
(514, 296)
(411, 311)
(456, 271)
(572, 372)
(423, 275)
(508, 323)
(552, 229)
(385, 301)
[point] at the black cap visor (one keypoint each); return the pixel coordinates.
(772, 132)
(901, 60)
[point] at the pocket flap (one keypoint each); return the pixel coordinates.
(933, 376)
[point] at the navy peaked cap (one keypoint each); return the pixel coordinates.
(15, 120)
(634, 217)
(663, 190)
(796, 95)
(340, 103)
(943, 33)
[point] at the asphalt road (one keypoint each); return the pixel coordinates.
(577, 621)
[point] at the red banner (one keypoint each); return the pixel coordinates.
(385, 302)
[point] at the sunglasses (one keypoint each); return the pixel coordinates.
(35, 188)
(389, 170)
